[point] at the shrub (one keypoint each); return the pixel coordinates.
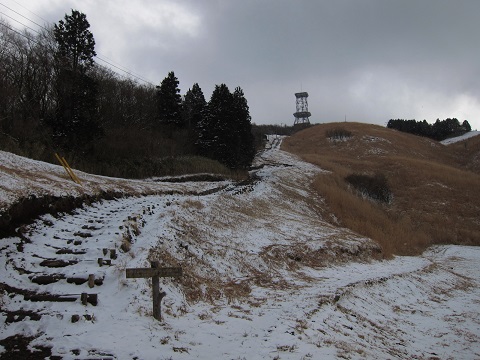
(338, 134)
(375, 187)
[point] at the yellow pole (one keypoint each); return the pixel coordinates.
(67, 168)
(75, 177)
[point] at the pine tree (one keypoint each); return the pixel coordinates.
(74, 125)
(214, 135)
(466, 126)
(246, 146)
(76, 45)
(193, 107)
(169, 101)
(224, 134)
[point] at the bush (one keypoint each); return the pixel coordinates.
(375, 187)
(338, 134)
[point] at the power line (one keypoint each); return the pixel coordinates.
(36, 42)
(127, 72)
(22, 16)
(19, 33)
(16, 2)
(28, 27)
(118, 66)
(122, 68)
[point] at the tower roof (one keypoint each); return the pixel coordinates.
(301, 94)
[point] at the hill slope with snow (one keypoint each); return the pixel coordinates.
(264, 276)
(465, 136)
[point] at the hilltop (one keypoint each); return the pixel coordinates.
(435, 196)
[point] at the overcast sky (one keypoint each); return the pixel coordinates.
(366, 60)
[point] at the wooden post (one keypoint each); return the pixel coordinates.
(91, 280)
(156, 292)
(155, 272)
(83, 298)
(102, 261)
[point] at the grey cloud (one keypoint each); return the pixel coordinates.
(369, 59)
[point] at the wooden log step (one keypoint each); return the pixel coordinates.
(83, 234)
(89, 298)
(102, 262)
(84, 298)
(90, 227)
(77, 280)
(19, 315)
(83, 280)
(46, 279)
(51, 297)
(57, 263)
(71, 251)
(75, 242)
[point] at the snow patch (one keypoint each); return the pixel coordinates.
(465, 136)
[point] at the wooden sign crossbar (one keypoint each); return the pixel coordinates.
(155, 272)
(151, 272)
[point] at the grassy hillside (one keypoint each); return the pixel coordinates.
(435, 188)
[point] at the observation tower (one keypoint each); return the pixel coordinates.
(302, 114)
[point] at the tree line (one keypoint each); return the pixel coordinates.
(440, 130)
(54, 97)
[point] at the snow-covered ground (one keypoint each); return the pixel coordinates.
(460, 138)
(264, 277)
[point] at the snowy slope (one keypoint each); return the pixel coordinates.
(21, 177)
(460, 138)
(265, 277)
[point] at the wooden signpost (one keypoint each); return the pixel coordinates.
(155, 272)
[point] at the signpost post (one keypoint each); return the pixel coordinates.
(155, 272)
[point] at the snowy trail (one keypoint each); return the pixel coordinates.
(266, 279)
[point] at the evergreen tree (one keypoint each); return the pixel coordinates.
(466, 126)
(244, 136)
(170, 101)
(193, 107)
(439, 131)
(224, 134)
(75, 42)
(213, 131)
(74, 124)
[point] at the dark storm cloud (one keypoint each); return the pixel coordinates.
(370, 60)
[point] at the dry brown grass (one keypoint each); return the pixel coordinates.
(436, 188)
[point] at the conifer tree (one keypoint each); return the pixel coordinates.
(246, 146)
(193, 106)
(75, 42)
(224, 134)
(213, 130)
(74, 125)
(169, 101)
